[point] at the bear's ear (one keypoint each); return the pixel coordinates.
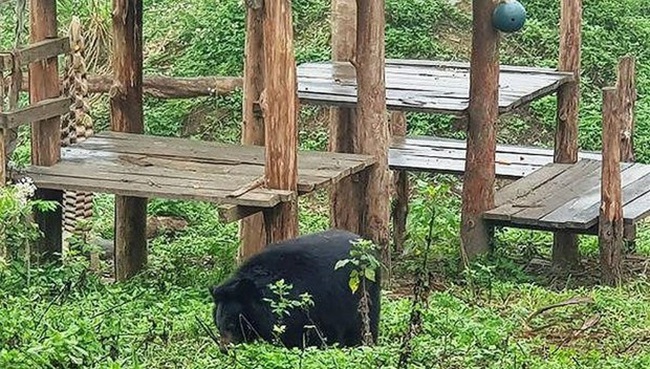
(245, 289)
(218, 293)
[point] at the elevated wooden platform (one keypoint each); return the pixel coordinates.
(175, 168)
(425, 86)
(443, 155)
(567, 197)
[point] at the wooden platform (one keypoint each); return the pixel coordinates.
(425, 86)
(175, 168)
(443, 155)
(567, 197)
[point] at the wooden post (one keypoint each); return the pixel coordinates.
(565, 245)
(280, 106)
(127, 116)
(626, 91)
(345, 208)
(46, 135)
(372, 125)
(401, 183)
(478, 182)
(610, 225)
(252, 231)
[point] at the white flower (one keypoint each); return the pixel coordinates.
(25, 189)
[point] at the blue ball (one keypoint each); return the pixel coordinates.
(509, 16)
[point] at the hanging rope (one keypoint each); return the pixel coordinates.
(76, 125)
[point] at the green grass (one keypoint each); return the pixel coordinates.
(63, 317)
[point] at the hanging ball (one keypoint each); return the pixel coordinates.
(509, 16)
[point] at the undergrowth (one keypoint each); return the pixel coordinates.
(68, 317)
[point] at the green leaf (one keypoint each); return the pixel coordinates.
(370, 274)
(354, 282)
(341, 263)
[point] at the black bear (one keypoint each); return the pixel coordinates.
(242, 313)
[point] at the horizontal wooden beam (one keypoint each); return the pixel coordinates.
(164, 87)
(232, 213)
(34, 52)
(42, 110)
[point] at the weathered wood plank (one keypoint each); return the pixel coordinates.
(427, 86)
(232, 213)
(442, 142)
(568, 179)
(39, 111)
(582, 212)
(522, 187)
(257, 198)
(637, 209)
(36, 51)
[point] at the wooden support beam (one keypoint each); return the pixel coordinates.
(483, 110)
(127, 116)
(372, 125)
(37, 51)
(164, 87)
(46, 135)
(345, 208)
(401, 183)
(565, 245)
(252, 230)
(610, 227)
(626, 91)
(37, 112)
(279, 104)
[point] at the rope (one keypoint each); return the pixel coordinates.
(76, 125)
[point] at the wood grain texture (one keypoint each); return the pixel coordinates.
(478, 181)
(345, 208)
(280, 109)
(372, 123)
(610, 225)
(252, 230)
(565, 252)
(127, 116)
(45, 137)
(626, 91)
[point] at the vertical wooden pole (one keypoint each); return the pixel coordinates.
(3, 166)
(401, 183)
(478, 182)
(565, 245)
(610, 227)
(127, 116)
(626, 91)
(45, 140)
(345, 207)
(372, 125)
(252, 231)
(280, 107)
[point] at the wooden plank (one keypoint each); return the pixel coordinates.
(36, 51)
(39, 111)
(403, 161)
(465, 66)
(232, 213)
(522, 187)
(441, 142)
(637, 209)
(257, 198)
(559, 192)
(582, 212)
(568, 179)
(196, 149)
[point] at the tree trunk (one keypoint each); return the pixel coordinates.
(610, 225)
(345, 207)
(565, 245)
(46, 135)
(127, 116)
(372, 124)
(401, 182)
(252, 231)
(478, 182)
(280, 106)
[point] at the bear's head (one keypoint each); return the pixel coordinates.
(236, 310)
